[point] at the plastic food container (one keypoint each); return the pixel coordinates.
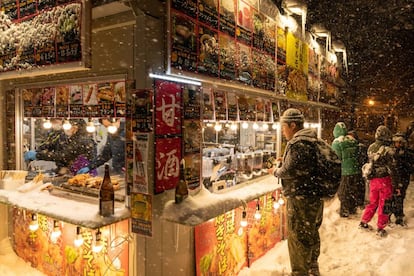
(12, 179)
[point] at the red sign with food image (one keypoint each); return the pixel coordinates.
(225, 245)
(52, 248)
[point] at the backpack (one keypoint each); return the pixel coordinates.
(328, 170)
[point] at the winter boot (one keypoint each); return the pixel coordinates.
(400, 221)
(382, 233)
(363, 225)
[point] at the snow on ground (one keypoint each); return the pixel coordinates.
(11, 264)
(348, 250)
(345, 249)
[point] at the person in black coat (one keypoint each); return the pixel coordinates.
(114, 149)
(70, 149)
(304, 208)
(403, 164)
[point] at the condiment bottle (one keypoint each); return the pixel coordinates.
(106, 195)
(181, 190)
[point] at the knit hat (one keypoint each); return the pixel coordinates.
(292, 115)
(340, 130)
(383, 134)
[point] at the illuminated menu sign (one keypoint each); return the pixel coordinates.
(224, 39)
(39, 37)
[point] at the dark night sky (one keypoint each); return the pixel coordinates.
(379, 36)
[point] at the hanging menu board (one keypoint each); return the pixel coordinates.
(41, 37)
(224, 39)
(77, 100)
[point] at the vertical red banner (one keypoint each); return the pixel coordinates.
(168, 108)
(167, 163)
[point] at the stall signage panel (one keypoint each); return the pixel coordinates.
(228, 17)
(55, 37)
(60, 256)
(297, 64)
(141, 214)
(220, 250)
(224, 247)
(167, 163)
(183, 44)
(141, 160)
(103, 99)
(192, 102)
(216, 38)
(168, 108)
(140, 110)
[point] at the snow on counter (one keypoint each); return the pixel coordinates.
(206, 205)
(74, 209)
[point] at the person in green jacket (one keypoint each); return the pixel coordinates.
(346, 147)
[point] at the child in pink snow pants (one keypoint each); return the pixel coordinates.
(380, 190)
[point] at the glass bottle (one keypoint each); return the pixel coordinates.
(106, 195)
(181, 190)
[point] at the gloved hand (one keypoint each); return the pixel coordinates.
(83, 170)
(30, 155)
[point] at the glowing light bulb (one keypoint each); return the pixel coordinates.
(79, 239)
(66, 125)
(98, 246)
(243, 222)
(56, 233)
(34, 224)
(257, 214)
(47, 124)
(276, 205)
(112, 128)
(245, 125)
(265, 126)
(90, 127)
(218, 127)
(240, 231)
(281, 201)
(233, 126)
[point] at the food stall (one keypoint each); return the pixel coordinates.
(205, 99)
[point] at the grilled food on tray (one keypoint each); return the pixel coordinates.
(86, 180)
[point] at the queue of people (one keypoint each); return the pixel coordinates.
(391, 163)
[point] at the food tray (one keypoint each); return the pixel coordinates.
(92, 192)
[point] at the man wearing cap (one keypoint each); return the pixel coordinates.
(304, 209)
